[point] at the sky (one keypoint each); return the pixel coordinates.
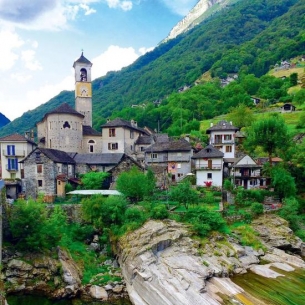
(41, 39)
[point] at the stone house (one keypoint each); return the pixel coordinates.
(173, 156)
(47, 171)
(222, 137)
(13, 149)
(209, 167)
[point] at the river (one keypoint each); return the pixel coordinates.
(288, 289)
(37, 300)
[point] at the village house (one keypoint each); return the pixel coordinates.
(13, 149)
(222, 137)
(47, 171)
(169, 157)
(287, 107)
(209, 167)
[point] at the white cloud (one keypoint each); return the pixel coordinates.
(180, 7)
(21, 77)
(9, 42)
(87, 9)
(144, 50)
(113, 59)
(125, 5)
(28, 57)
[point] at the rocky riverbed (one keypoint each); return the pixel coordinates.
(161, 264)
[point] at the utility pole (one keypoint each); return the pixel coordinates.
(2, 299)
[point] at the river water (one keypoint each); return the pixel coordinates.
(37, 300)
(288, 289)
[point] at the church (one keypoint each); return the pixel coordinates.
(70, 130)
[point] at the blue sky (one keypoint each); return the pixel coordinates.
(40, 39)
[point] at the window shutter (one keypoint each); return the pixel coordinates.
(16, 163)
(9, 164)
(8, 149)
(13, 150)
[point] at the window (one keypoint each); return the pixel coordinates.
(12, 164)
(91, 144)
(39, 168)
(111, 132)
(209, 175)
(178, 165)
(39, 182)
(59, 168)
(228, 149)
(10, 150)
(210, 163)
(66, 125)
(13, 175)
(70, 169)
(227, 137)
(153, 156)
(112, 146)
(131, 134)
(142, 148)
(58, 182)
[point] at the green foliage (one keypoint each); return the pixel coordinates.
(184, 194)
(283, 182)
(257, 209)
(204, 220)
(26, 222)
(159, 211)
(228, 185)
(241, 116)
(270, 133)
(290, 212)
(93, 180)
(68, 188)
(135, 185)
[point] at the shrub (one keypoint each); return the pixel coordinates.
(257, 208)
(159, 212)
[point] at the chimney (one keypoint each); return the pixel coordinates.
(135, 123)
(108, 120)
(26, 134)
(211, 124)
(32, 135)
(187, 137)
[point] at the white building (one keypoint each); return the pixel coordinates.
(209, 167)
(222, 137)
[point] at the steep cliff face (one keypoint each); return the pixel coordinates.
(162, 265)
(201, 10)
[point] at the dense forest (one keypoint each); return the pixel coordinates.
(247, 38)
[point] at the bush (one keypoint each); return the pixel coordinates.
(257, 208)
(159, 212)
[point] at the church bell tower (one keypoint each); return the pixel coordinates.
(83, 88)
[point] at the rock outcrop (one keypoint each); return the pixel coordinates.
(162, 265)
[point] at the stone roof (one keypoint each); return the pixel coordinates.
(118, 122)
(82, 60)
(16, 137)
(101, 159)
(161, 137)
(89, 131)
(56, 155)
(222, 125)
(144, 140)
(209, 152)
(171, 145)
(65, 109)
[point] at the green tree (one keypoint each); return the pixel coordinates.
(299, 97)
(270, 133)
(26, 222)
(93, 180)
(283, 182)
(135, 185)
(184, 194)
(294, 79)
(241, 116)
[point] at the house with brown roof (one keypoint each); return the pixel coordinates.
(171, 158)
(13, 149)
(209, 167)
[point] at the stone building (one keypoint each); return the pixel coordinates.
(68, 129)
(47, 171)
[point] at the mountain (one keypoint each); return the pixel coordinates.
(3, 120)
(202, 10)
(247, 37)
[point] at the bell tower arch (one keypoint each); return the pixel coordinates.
(83, 88)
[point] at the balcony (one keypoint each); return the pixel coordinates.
(221, 142)
(206, 167)
(17, 153)
(12, 168)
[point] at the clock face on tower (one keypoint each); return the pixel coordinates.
(83, 89)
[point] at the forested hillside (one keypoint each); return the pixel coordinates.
(246, 38)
